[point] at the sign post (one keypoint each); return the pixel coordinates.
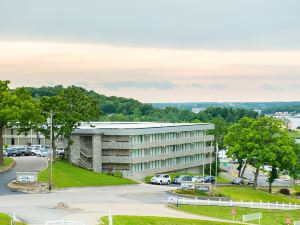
(233, 213)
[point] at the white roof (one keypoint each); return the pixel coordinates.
(131, 125)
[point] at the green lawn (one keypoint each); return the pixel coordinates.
(151, 220)
(6, 220)
(269, 216)
(7, 162)
(248, 194)
(67, 175)
(294, 134)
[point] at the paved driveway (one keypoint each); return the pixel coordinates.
(23, 164)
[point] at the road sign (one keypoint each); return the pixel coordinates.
(288, 221)
(233, 212)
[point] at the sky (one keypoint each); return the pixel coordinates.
(155, 51)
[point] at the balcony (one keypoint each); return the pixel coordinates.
(164, 169)
(148, 158)
(129, 145)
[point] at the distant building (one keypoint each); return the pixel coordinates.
(197, 110)
(282, 114)
(142, 149)
(11, 138)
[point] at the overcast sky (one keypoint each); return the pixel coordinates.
(156, 50)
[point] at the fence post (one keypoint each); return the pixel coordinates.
(283, 205)
(241, 203)
(268, 205)
(276, 205)
(110, 219)
(219, 201)
(290, 206)
(231, 202)
(251, 204)
(260, 203)
(208, 201)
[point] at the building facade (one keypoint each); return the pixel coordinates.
(12, 138)
(142, 149)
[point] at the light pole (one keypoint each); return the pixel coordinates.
(51, 150)
(217, 153)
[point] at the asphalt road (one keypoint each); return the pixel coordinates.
(23, 164)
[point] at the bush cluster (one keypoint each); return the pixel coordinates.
(115, 174)
(284, 191)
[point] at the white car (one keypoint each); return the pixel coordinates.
(42, 153)
(36, 148)
(198, 179)
(60, 151)
(161, 179)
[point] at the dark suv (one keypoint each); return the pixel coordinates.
(12, 152)
(209, 179)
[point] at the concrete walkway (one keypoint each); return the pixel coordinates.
(92, 212)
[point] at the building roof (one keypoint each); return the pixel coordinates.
(132, 125)
(137, 128)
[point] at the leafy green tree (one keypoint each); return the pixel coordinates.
(295, 169)
(69, 108)
(266, 130)
(17, 108)
(80, 107)
(282, 156)
(240, 142)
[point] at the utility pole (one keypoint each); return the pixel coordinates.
(51, 150)
(217, 153)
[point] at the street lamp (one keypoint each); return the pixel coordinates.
(50, 121)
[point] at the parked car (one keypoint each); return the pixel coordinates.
(42, 153)
(37, 146)
(198, 179)
(161, 179)
(178, 179)
(209, 179)
(47, 147)
(12, 152)
(242, 181)
(187, 178)
(60, 151)
(24, 151)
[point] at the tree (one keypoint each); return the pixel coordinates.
(266, 130)
(69, 108)
(282, 156)
(79, 107)
(240, 142)
(17, 108)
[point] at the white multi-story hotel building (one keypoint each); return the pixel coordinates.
(141, 149)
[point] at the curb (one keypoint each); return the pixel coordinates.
(199, 197)
(26, 191)
(12, 165)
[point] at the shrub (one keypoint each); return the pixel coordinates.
(297, 193)
(118, 174)
(284, 191)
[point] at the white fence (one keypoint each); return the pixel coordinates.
(258, 205)
(296, 222)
